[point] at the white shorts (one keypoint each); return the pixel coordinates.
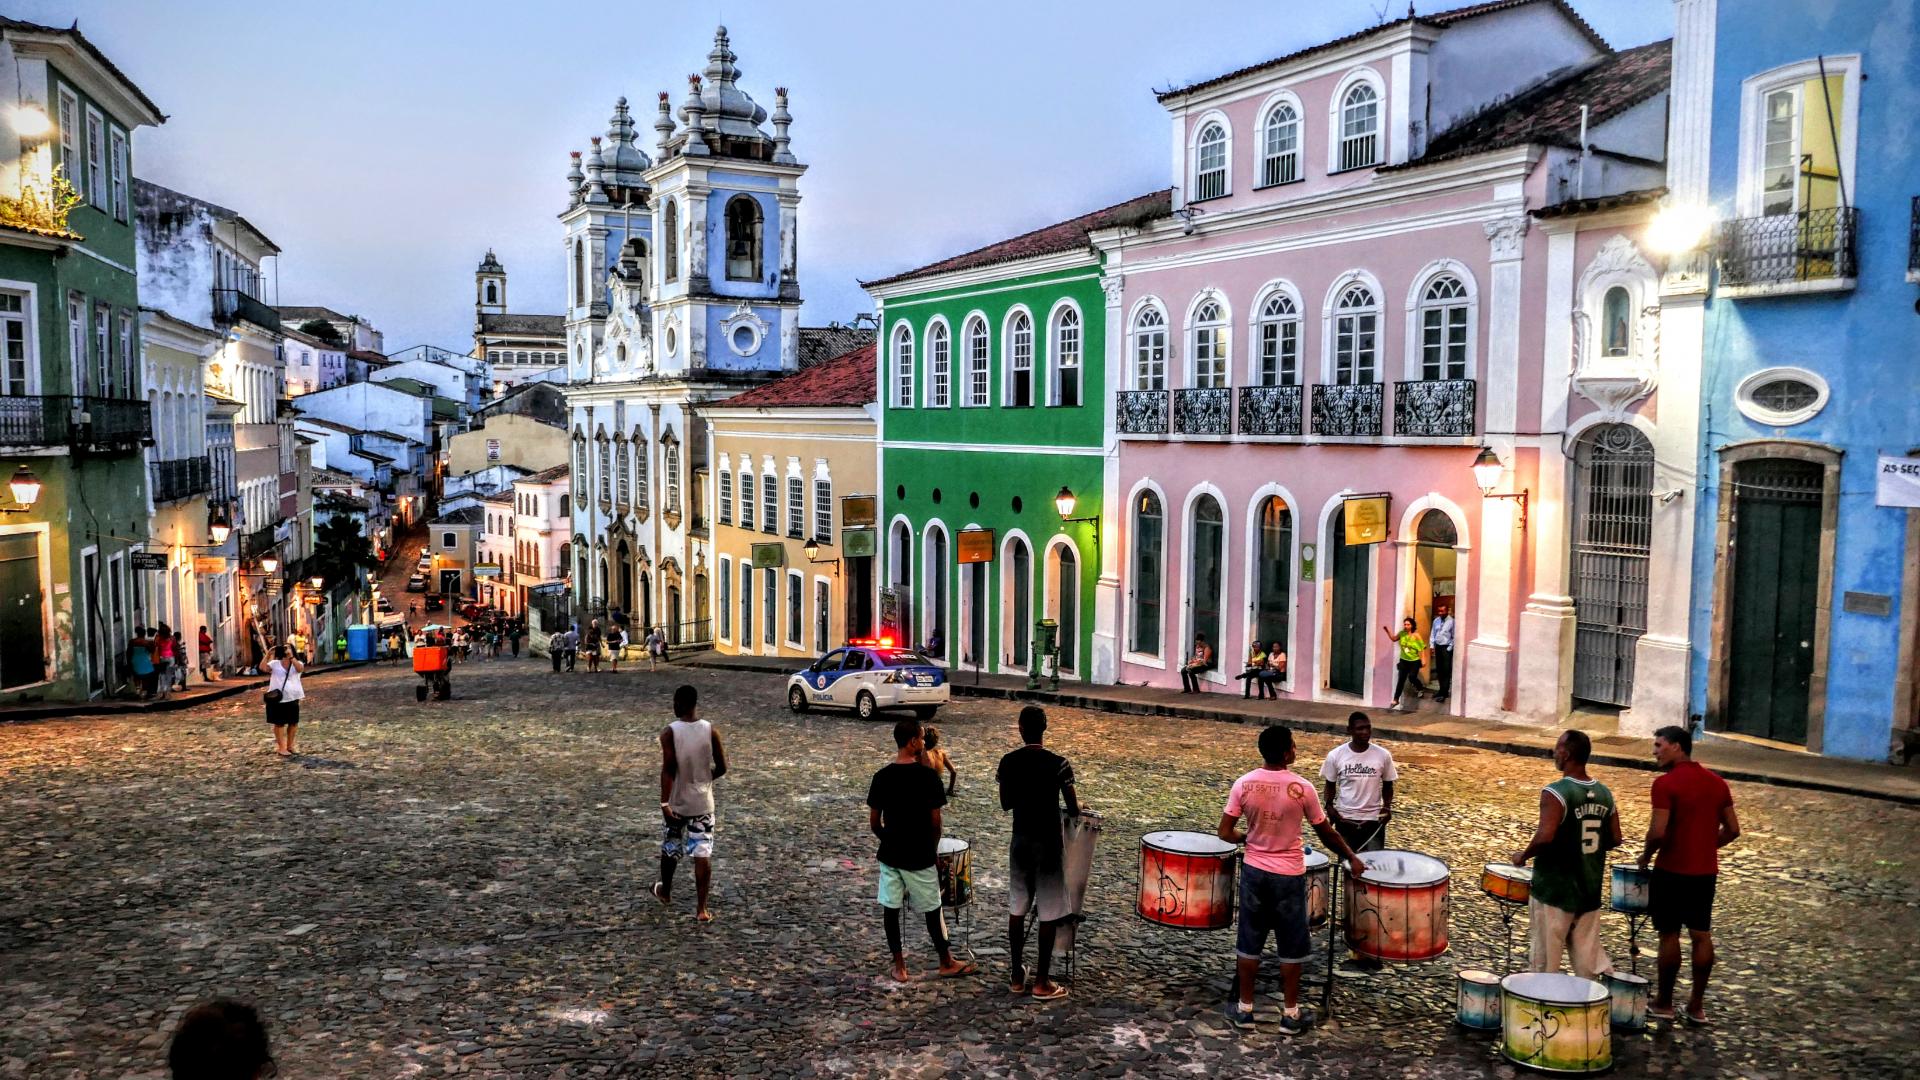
(1552, 931)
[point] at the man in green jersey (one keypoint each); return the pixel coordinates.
(1578, 826)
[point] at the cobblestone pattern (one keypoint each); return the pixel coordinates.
(460, 889)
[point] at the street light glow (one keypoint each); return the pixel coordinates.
(1487, 470)
(31, 121)
(25, 486)
(1064, 501)
(269, 563)
(1678, 229)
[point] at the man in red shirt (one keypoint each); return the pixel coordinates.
(1693, 819)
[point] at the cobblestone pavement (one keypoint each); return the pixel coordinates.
(460, 888)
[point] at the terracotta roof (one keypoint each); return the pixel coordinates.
(504, 495)
(369, 356)
(1602, 203)
(1549, 114)
(1441, 19)
(466, 515)
(819, 344)
(538, 325)
(1062, 236)
(35, 230)
(844, 380)
(544, 476)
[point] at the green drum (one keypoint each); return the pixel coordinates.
(1556, 1023)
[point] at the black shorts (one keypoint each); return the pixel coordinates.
(1676, 900)
(283, 712)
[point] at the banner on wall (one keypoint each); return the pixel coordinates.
(1366, 519)
(976, 546)
(1897, 481)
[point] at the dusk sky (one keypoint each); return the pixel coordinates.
(386, 146)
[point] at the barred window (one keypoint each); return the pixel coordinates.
(1210, 162)
(1360, 127)
(1280, 146)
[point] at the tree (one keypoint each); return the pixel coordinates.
(340, 550)
(323, 330)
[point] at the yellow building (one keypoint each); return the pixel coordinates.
(792, 510)
(507, 439)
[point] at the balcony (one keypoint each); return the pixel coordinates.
(1203, 412)
(1434, 408)
(82, 423)
(1347, 410)
(256, 543)
(1269, 410)
(181, 478)
(1809, 251)
(231, 306)
(1140, 412)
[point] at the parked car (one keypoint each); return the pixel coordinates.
(385, 605)
(867, 676)
(474, 610)
(417, 583)
(434, 602)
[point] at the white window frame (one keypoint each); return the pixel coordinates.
(1336, 127)
(28, 318)
(769, 498)
(1256, 332)
(1217, 345)
(672, 467)
(1054, 368)
(939, 357)
(796, 610)
(642, 470)
(1619, 264)
(796, 502)
(1206, 121)
(903, 365)
(1418, 305)
(1266, 156)
(1146, 371)
(1013, 352)
(96, 150)
(117, 161)
(1767, 416)
(70, 135)
(977, 354)
(1753, 95)
(822, 503)
(725, 493)
(748, 508)
(1330, 315)
(822, 627)
(725, 605)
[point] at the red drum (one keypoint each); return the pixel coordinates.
(1398, 909)
(1186, 880)
(1319, 870)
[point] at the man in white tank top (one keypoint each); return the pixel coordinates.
(691, 759)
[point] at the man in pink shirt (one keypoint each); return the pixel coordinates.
(1273, 800)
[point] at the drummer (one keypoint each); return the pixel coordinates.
(1033, 783)
(1577, 827)
(1273, 800)
(1359, 774)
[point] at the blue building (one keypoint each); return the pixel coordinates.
(1792, 128)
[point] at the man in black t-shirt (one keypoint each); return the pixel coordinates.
(1033, 781)
(903, 810)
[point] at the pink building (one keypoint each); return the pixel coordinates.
(1387, 253)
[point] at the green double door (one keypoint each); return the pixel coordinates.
(23, 643)
(1347, 634)
(1775, 556)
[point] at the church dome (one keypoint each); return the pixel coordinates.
(490, 265)
(622, 161)
(729, 110)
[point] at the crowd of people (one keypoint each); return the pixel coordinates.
(610, 643)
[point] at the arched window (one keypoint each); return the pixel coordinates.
(606, 471)
(1356, 334)
(743, 238)
(1066, 356)
(1280, 146)
(1149, 553)
(1019, 387)
(1206, 560)
(1277, 337)
(579, 273)
(939, 367)
(1444, 329)
(493, 293)
(974, 334)
(670, 242)
(670, 452)
(579, 463)
(642, 473)
(746, 497)
(1150, 349)
(1210, 162)
(1360, 127)
(1616, 322)
(623, 486)
(1273, 573)
(903, 367)
(1209, 346)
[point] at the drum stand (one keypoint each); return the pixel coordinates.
(1030, 932)
(961, 937)
(1634, 919)
(1507, 912)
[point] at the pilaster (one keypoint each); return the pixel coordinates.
(1106, 595)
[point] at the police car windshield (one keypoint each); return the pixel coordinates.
(900, 658)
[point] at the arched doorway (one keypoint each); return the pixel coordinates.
(899, 614)
(1347, 608)
(1063, 579)
(1206, 558)
(673, 614)
(705, 630)
(620, 592)
(643, 616)
(1435, 587)
(1017, 588)
(1612, 541)
(933, 582)
(1273, 572)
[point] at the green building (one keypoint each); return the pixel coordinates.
(73, 415)
(994, 438)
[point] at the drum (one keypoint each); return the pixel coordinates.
(955, 861)
(1555, 1023)
(1186, 880)
(1319, 887)
(1398, 909)
(1629, 1000)
(1632, 889)
(1479, 1008)
(1079, 835)
(1506, 883)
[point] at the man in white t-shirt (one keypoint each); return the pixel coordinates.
(1360, 776)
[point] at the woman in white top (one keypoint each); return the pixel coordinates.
(283, 675)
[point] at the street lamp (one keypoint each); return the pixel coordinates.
(219, 529)
(26, 491)
(269, 563)
(1486, 473)
(1065, 502)
(812, 549)
(317, 582)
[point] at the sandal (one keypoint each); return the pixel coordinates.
(1702, 1020)
(967, 967)
(658, 895)
(1019, 987)
(1054, 994)
(1660, 1012)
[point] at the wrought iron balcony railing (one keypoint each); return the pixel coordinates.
(1140, 412)
(83, 423)
(1347, 410)
(256, 543)
(35, 421)
(181, 478)
(1784, 249)
(1203, 412)
(1269, 410)
(231, 306)
(1433, 408)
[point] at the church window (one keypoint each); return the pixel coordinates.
(743, 238)
(670, 245)
(493, 293)
(579, 273)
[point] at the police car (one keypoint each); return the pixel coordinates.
(869, 675)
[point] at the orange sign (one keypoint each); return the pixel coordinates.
(1366, 519)
(976, 545)
(856, 510)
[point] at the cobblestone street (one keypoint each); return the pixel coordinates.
(460, 888)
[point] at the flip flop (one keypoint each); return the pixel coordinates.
(1055, 994)
(967, 967)
(704, 917)
(1699, 1021)
(1661, 1012)
(655, 890)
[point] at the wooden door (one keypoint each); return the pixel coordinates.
(1347, 644)
(23, 645)
(1776, 569)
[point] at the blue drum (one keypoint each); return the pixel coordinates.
(1479, 1006)
(1632, 889)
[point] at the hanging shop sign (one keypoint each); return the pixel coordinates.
(976, 545)
(486, 569)
(1366, 517)
(210, 565)
(1898, 481)
(858, 543)
(768, 556)
(148, 560)
(856, 510)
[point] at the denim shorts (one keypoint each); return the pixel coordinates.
(1275, 903)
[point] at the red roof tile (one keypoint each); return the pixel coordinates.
(1051, 240)
(844, 380)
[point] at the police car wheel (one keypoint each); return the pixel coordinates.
(797, 699)
(865, 705)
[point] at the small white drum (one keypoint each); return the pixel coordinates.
(1319, 869)
(1479, 1008)
(1629, 1000)
(1632, 889)
(954, 858)
(1079, 835)
(1555, 1023)
(1398, 910)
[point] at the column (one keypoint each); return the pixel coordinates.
(1106, 592)
(1485, 678)
(1544, 693)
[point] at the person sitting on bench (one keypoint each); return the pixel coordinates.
(1275, 672)
(1256, 664)
(1201, 659)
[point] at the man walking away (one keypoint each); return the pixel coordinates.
(903, 810)
(1578, 826)
(1359, 775)
(1273, 801)
(691, 759)
(1693, 819)
(1441, 642)
(1033, 781)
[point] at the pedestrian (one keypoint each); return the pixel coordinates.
(1578, 826)
(573, 646)
(1256, 663)
(1440, 637)
(592, 646)
(1275, 673)
(656, 648)
(1359, 776)
(1198, 661)
(163, 660)
(1693, 819)
(207, 662)
(298, 639)
(1273, 800)
(180, 668)
(936, 759)
(1034, 781)
(616, 644)
(1407, 671)
(220, 1040)
(140, 662)
(283, 695)
(557, 649)
(513, 635)
(903, 810)
(691, 759)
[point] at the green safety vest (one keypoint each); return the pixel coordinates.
(1568, 874)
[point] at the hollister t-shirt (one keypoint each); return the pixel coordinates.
(1359, 780)
(1273, 802)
